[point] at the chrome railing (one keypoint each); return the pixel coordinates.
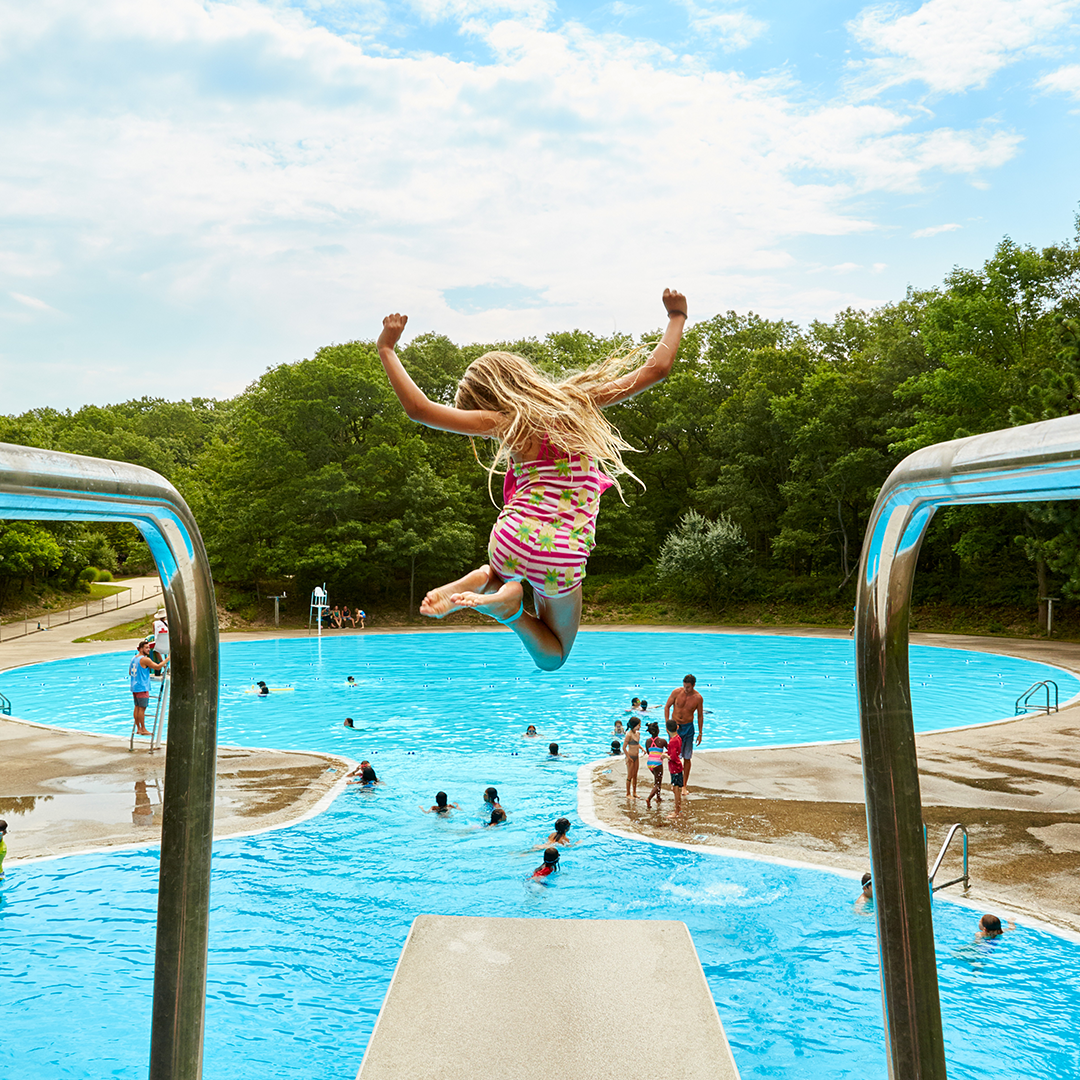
(1034, 463)
(1023, 702)
(45, 485)
(953, 830)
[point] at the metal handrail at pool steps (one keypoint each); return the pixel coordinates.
(533, 999)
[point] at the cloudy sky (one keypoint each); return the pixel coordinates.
(191, 192)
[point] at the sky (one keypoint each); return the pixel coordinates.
(192, 192)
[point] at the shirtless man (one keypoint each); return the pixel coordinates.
(680, 707)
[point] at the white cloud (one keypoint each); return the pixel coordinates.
(229, 185)
(954, 45)
(933, 230)
(718, 21)
(31, 302)
(1065, 80)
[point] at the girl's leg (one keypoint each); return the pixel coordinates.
(631, 779)
(626, 756)
(548, 636)
(437, 604)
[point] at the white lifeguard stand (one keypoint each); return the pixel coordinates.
(319, 604)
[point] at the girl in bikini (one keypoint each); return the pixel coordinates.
(560, 453)
(631, 748)
(654, 749)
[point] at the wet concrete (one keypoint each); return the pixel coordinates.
(1015, 786)
(64, 791)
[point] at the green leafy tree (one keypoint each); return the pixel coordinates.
(702, 556)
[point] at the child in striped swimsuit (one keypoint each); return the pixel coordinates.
(561, 455)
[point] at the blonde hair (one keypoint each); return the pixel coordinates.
(533, 405)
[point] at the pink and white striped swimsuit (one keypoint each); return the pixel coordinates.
(547, 525)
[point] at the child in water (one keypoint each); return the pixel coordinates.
(551, 864)
(561, 454)
(441, 805)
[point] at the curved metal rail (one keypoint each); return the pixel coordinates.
(1033, 463)
(941, 856)
(1023, 705)
(43, 484)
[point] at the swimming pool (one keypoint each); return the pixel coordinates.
(308, 921)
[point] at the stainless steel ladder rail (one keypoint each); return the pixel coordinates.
(1034, 463)
(1021, 705)
(941, 856)
(5, 706)
(46, 485)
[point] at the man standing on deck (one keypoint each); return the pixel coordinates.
(139, 673)
(681, 707)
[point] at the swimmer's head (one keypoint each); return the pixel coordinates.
(635, 702)
(498, 816)
(553, 749)
(562, 826)
(531, 729)
(348, 722)
(440, 798)
(644, 704)
(551, 856)
(491, 795)
(350, 679)
(990, 925)
(867, 885)
(616, 746)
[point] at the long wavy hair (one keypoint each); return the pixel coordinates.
(533, 406)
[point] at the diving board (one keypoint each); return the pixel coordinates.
(547, 999)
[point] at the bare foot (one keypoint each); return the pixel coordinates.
(439, 602)
(502, 604)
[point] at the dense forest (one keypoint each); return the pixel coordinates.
(759, 458)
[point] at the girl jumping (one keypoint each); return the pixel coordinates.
(561, 454)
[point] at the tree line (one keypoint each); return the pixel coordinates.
(759, 458)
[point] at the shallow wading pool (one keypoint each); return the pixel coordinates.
(308, 921)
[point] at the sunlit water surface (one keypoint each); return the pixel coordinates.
(309, 921)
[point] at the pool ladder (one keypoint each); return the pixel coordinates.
(1023, 702)
(160, 712)
(953, 830)
(5, 706)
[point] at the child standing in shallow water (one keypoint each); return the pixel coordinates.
(561, 454)
(654, 748)
(631, 748)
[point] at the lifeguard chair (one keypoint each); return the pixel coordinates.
(319, 605)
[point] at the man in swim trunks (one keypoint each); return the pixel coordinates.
(139, 672)
(681, 707)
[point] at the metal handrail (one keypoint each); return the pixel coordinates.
(1034, 463)
(5, 706)
(1022, 701)
(45, 485)
(941, 855)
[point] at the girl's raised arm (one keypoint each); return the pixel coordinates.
(417, 405)
(658, 366)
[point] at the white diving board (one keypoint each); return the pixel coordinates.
(533, 999)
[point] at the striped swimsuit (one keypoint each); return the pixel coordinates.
(547, 525)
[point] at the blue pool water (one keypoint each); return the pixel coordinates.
(308, 921)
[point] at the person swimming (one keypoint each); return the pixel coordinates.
(498, 817)
(441, 805)
(531, 732)
(551, 864)
(348, 722)
(562, 827)
(263, 688)
(553, 749)
(351, 681)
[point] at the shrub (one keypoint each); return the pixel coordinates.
(88, 575)
(701, 556)
(104, 575)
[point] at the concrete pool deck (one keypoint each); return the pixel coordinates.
(1015, 785)
(66, 791)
